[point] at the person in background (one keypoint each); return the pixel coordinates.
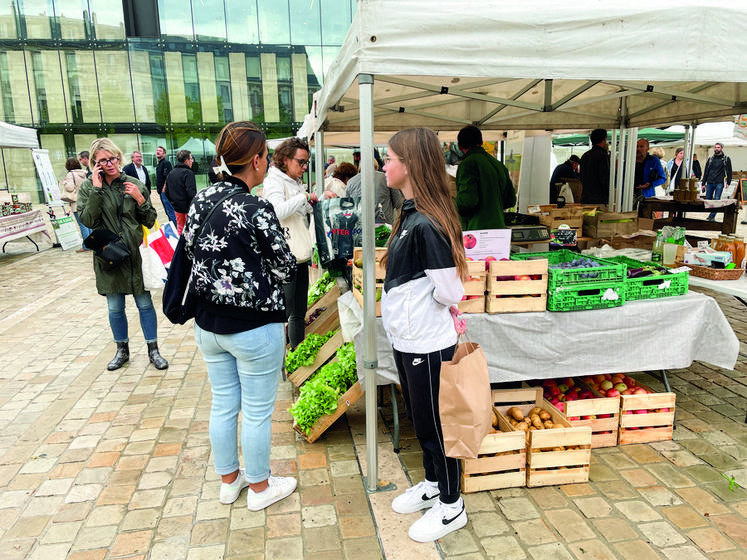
(357, 159)
(658, 152)
(388, 200)
(697, 171)
(595, 170)
(70, 186)
(102, 199)
(330, 161)
(181, 187)
(484, 188)
(336, 185)
(136, 169)
(674, 170)
(716, 175)
(649, 172)
(162, 171)
(240, 314)
(425, 265)
(84, 158)
(566, 170)
(286, 192)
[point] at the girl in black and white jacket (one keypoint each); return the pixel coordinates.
(425, 266)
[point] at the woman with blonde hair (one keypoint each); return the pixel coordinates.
(111, 200)
(425, 267)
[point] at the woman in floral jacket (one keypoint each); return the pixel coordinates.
(240, 263)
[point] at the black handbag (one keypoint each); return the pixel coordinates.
(109, 247)
(179, 305)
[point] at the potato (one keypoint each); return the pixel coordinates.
(523, 426)
(513, 422)
(494, 420)
(515, 413)
(536, 422)
(544, 415)
(535, 410)
(558, 426)
(548, 424)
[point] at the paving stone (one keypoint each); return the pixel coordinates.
(283, 549)
(135, 542)
(26, 527)
(518, 509)
(555, 551)
(635, 550)
(684, 553)
(141, 519)
(591, 549)
(639, 477)
(593, 507)
(505, 548)
(661, 534)
(106, 515)
(570, 525)
(487, 523)
(318, 516)
(702, 501)
(534, 532)
(548, 497)
(659, 496)
(246, 541)
(637, 511)
(734, 527)
(614, 529)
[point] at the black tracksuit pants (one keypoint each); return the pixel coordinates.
(420, 377)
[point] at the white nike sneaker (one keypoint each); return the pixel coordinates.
(229, 493)
(439, 521)
(420, 496)
(278, 487)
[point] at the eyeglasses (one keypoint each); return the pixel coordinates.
(110, 161)
(302, 162)
(388, 159)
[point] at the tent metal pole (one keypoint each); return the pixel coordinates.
(614, 187)
(629, 178)
(370, 363)
(319, 175)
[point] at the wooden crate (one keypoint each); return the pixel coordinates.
(359, 297)
(501, 461)
(551, 216)
(380, 271)
(610, 224)
(325, 353)
(357, 274)
(330, 297)
(549, 467)
(649, 427)
(512, 296)
(474, 288)
(604, 431)
(327, 321)
(343, 404)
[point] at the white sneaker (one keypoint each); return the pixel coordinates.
(278, 487)
(439, 521)
(420, 496)
(229, 493)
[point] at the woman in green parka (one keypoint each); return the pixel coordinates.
(99, 201)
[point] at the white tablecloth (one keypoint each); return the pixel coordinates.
(666, 333)
(20, 225)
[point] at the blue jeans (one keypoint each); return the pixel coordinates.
(168, 208)
(244, 371)
(84, 231)
(713, 192)
(118, 317)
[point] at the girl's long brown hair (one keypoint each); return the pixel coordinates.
(421, 154)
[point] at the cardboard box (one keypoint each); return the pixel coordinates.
(610, 224)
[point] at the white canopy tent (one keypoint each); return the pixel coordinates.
(526, 65)
(12, 136)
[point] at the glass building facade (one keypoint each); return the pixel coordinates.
(149, 73)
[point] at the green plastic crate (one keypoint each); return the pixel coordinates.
(600, 295)
(652, 287)
(611, 272)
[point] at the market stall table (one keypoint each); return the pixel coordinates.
(678, 208)
(660, 334)
(27, 224)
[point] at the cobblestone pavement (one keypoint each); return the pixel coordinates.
(97, 465)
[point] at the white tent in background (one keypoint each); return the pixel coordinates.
(12, 136)
(707, 134)
(198, 147)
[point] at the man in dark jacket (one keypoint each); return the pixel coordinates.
(162, 170)
(716, 174)
(595, 170)
(484, 188)
(566, 170)
(137, 169)
(181, 187)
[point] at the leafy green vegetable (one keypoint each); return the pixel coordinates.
(381, 234)
(319, 395)
(319, 288)
(305, 353)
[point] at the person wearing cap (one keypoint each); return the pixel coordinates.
(564, 171)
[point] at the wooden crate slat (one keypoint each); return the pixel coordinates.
(472, 305)
(343, 404)
(647, 435)
(495, 464)
(517, 304)
(599, 426)
(327, 321)
(652, 419)
(652, 426)
(555, 477)
(567, 458)
(359, 298)
(327, 350)
(331, 296)
(494, 481)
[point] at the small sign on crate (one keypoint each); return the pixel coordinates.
(517, 286)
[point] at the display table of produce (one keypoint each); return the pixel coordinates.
(659, 334)
(27, 224)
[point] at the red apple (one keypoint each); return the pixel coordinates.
(627, 392)
(640, 391)
(549, 382)
(469, 241)
(599, 378)
(522, 277)
(613, 393)
(569, 381)
(664, 410)
(555, 390)
(641, 411)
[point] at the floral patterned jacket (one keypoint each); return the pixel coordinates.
(241, 257)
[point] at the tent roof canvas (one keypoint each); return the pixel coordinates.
(12, 136)
(533, 66)
(199, 147)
